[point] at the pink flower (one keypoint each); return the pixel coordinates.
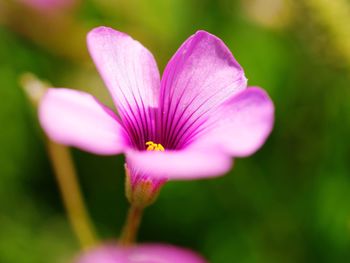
(147, 253)
(187, 125)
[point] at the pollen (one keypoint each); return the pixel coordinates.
(151, 146)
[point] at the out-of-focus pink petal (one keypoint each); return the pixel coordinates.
(50, 5)
(183, 164)
(200, 76)
(146, 253)
(77, 119)
(242, 124)
(132, 77)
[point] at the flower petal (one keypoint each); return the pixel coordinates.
(183, 164)
(243, 123)
(145, 253)
(199, 77)
(132, 77)
(77, 119)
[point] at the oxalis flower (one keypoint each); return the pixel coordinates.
(187, 125)
(146, 253)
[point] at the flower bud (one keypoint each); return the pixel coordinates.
(141, 190)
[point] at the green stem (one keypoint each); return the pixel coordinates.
(65, 173)
(131, 225)
(71, 194)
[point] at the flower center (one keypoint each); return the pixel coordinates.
(151, 146)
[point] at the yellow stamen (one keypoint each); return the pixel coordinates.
(151, 146)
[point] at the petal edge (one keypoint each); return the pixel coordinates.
(76, 118)
(180, 165)
(200, 76)
(243, 123)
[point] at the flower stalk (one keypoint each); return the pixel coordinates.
(140, 192)
(61, 160)
(65, 173)
(131, 226)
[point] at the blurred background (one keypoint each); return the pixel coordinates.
(290, 202)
